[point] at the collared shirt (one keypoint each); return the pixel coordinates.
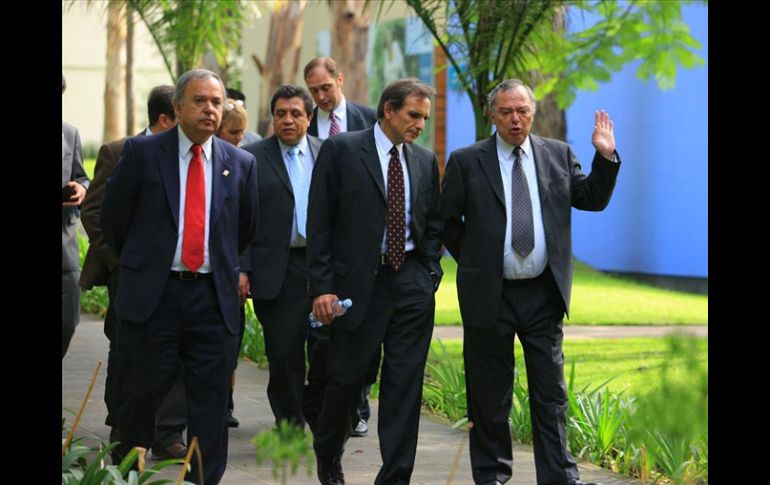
(305, 157)
(325, 123)
(185, 156)
(383, 148)
(514, 266)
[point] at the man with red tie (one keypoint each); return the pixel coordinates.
(178, 210)
(374, 236)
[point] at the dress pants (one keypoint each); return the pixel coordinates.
(186, 325)
(533, 309)
(400, 319)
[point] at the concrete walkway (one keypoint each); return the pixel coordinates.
(436, 450)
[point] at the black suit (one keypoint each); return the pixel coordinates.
(358, 117)
(163, 317)
(345, 232)
(278, 280)
(494, 309)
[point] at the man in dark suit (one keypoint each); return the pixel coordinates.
(178, 210)
(276, 262)
(74, 183)
(507, 205)
(100, 267)
(374, 235)
(332, 115)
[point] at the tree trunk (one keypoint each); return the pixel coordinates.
(130, 71)
(114, 79)
(350, 41)
(284, 44)
(550, 120)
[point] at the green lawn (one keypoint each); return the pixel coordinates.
(598, 299)
(635, 363)
(89, 164)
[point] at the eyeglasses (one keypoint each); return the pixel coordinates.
(523, 111)
(233, 103)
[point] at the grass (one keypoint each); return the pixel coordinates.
(598, 299)
(634, 363)
(89, 164)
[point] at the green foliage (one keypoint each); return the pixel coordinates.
(443, 389)
(487, 41)
(286, 445)
(96, 299)
(76, 470)
(520, 416)
(597, 299)
(184, 30)
(253, 344)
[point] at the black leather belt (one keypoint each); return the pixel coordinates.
(189, 275)
(384, 261)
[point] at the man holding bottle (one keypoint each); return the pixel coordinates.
(374, 236)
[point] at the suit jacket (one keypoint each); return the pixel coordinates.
(346, 218)
(100, 260)
(71, 170)
(473, 207)
(140, 221)
(268, 256)
(359, 118)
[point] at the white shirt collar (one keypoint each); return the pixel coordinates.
(505, 149)
(185, 144)
(384, 144)
(302, 146)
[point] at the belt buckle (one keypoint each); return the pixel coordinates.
(188, 275)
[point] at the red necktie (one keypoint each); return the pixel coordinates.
(395, 222)
(194, 213)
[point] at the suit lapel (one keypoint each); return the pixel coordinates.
(542, 165)
(491, 167)
(414, 168)
(313, 128)
(221, 168)
(371, 160)
(168, 164)
(272, 156)
(354, 124)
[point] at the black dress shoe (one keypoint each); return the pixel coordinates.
(173, 451)
(232, 422)
(492, 482)
(580, 482)
(330, 473)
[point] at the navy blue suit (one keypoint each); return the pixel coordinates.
(163, 318)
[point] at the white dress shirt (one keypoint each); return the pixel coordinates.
(383, 148)
(514, 266)
(185, 156)
(325, 122)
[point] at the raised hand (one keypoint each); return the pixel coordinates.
(603, 137)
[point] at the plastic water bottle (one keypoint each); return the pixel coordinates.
(338, 307)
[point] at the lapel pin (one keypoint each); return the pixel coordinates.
(226, 173)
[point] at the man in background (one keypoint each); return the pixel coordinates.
(74, 183)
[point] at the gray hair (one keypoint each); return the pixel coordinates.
(185, 78)
(509, 85)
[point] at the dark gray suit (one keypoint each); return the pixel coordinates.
(71, 170)
(359, 118)
(346, 225)
(278, 280)
(494, 310)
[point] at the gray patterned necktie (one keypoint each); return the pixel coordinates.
(522, 228)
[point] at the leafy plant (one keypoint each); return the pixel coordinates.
(444, 384)
(520, 416)
(286, 446)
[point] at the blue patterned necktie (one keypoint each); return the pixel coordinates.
(300, 184)
(522, 227)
